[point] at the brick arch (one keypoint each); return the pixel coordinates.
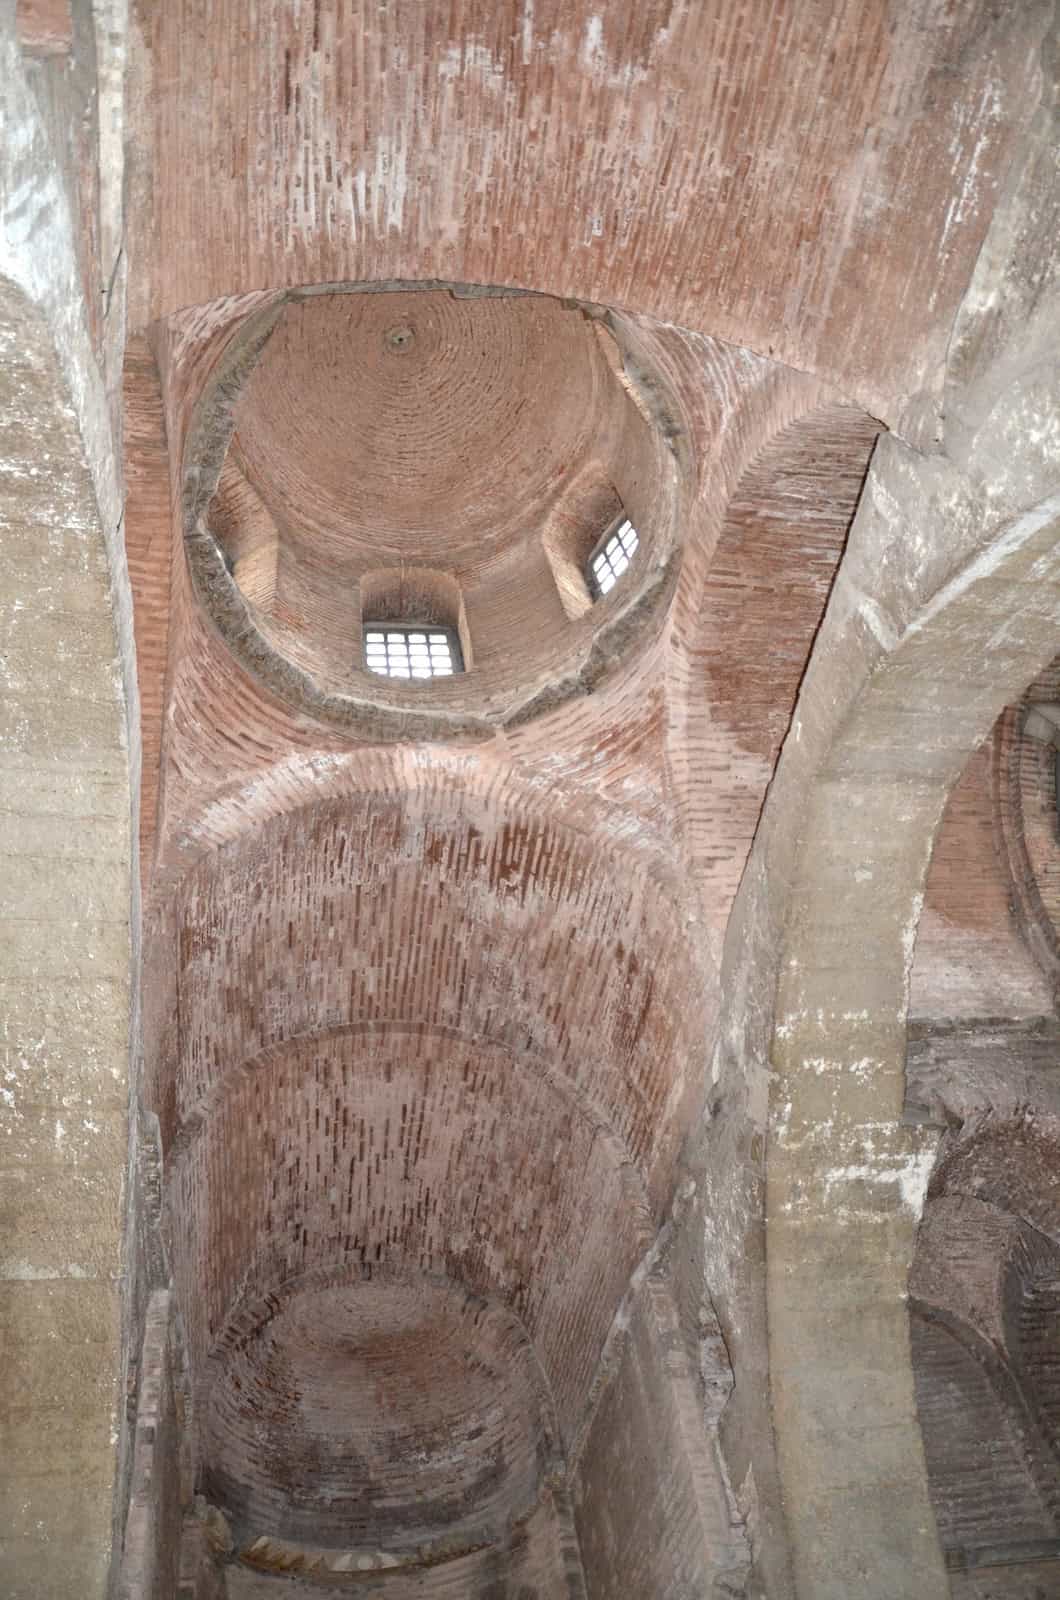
(779, 502)
(988, 1501)
(780, 438)
(1025, 821)
(539, 940)
(1011, 1163)
(983, 1302)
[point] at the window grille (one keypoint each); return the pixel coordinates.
(410, 650)
(611, 558)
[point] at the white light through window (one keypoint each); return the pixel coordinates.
(607, 564)
(411, 652)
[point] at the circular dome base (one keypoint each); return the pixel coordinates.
(422, 457)
(383, 1413)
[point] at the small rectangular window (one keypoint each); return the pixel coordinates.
(408, 650)
(611, 558)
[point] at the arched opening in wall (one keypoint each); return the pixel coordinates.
(985, 1335)
(590, 542)
(571, 535)
(1026, 765)
(414, 623)
(357, 453)
(408, 1197)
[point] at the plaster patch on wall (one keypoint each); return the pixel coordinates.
(985, 118)
(25, 1272)
(1020, 531)
(911, 1177)
(879, 624)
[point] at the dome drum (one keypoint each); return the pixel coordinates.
(424, 458)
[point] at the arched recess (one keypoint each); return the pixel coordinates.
(895, 700)
(64, 983)
(983, 1296)
(405, 1149)
(773, 517)
(432, 1028)
(748, 612)
(811, 1034)
(397, 1159)
(1027, 815)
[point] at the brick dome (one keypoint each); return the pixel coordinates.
(431, 457)
(423, 427)
(381, 1414)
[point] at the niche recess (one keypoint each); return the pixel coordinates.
(416, 595)
(430, 456)
(1026, 765)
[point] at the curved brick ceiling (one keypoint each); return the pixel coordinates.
(494, 949)
(812, 183)
(504, 953)
(406, 1152)
(432, 458)
(428, 1040)
(416, 909)
(320, 1426)
(421, 426)
(350, 945)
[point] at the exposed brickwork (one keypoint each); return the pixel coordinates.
(309, 516)
(776, 556)
(319, 1427)
(520, 1200)
(574, 962)
(971, 957)
(609, 154)
(983, 1295)
(983, 1491)
(45, 27)
(148, 546)
(645, 1534)
(426, 1171)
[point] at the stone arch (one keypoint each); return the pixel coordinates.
(790, 461)
(839, 1154)
(811, 1040)
(65, 843)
